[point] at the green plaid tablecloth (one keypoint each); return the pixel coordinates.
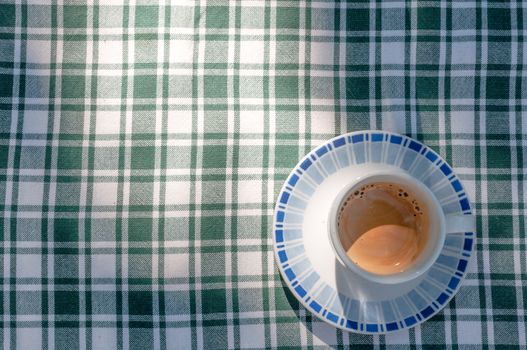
(142, 146)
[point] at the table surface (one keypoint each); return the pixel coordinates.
(142, 147)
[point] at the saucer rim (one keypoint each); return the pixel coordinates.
(385, 136)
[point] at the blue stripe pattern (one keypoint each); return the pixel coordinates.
(415, 146)
(357, 138)
(332, 317)
(396, 139)
(301, 291)
(279, 236)
(339, 142)
(306, 164)
(315, 306)
(284, 198)
(293, 180)
(321, 151)
(464, 204)
(431, 156)
(377, 137)
(392, 326)
(468, 244)
(290, 274)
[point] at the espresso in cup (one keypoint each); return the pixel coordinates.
(383, 228)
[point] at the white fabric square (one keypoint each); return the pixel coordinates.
(38, 51)
(462, 122)
(110, 51)
(177, 192)
(397, 338)
(179, 122)
(104, 193)
(249, 191)
(251, 122)
(28, 265)
(322, 122)
(104, 338)
(108, 122)
(464, 53)
(251, 51)
(469, 331)
(472, 266)
(392, 53)
(179, 338)
(176, 265)
(29, 338)
(324, 334)
(30, 193)
(470, 189)
(35, 122)
(249, 263)
(103, 266)
(181, 51)
(252, 336)
(394, 121)
(321, 53)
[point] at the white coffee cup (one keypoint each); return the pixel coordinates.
(439, 225)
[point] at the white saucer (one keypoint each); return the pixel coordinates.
(307, 261)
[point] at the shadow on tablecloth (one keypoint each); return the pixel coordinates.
(316, 328)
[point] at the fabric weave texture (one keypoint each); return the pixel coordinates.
(142, 146)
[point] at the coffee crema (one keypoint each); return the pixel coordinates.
(382, 228)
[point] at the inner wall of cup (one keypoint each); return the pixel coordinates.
(432, 225)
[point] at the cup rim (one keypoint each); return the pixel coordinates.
(405, 180)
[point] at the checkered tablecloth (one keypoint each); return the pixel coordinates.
(142, 146)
